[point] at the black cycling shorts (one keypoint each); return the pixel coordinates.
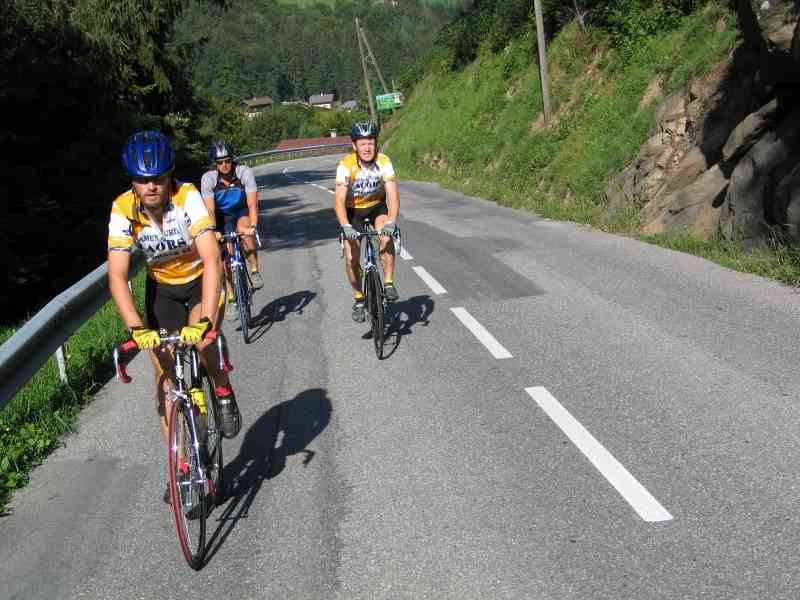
(356, 216)
(227, 222)
(168, 306)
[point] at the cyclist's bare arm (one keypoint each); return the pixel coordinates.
(208, 250)
(392, 200)
(211, 206)
(339, 200)
(119, 263)
(252, 207)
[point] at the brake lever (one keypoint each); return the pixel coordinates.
(118, 353)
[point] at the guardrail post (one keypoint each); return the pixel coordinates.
(61, 359)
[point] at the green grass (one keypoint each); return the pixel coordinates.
(44, 409)
(331, 3)
(476, 130)
(771, 259)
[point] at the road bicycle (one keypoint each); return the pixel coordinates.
(242, 283)
(372, 281)
(196, 478)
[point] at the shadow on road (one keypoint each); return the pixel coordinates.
(401, 317)
(278, 309)
(300, 228)
(284, 430)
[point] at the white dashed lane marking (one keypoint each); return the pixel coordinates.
(435, 286)
(404, 254)
(322, 187)
(646, 506)
(479, 331)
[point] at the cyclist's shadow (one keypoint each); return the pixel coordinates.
(278, 309)
(402, 316)
(284, 430)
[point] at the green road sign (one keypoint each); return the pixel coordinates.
(389, 101)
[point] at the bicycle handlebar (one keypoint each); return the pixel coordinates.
(129, 346)
(371, 232)
(235, 235)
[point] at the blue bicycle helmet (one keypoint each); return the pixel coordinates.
(221, 149)
(364, 129)
(148, 154)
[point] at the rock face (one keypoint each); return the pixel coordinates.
(726, 155)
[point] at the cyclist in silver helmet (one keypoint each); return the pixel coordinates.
(366, 187)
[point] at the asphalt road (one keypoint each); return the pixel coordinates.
(563, 414)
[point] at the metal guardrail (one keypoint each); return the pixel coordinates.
(24, 353)
(255, 155)
(44, 335)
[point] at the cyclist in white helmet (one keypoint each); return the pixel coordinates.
(231, 197)
(366, 187)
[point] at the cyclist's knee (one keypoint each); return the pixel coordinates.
(387, 246)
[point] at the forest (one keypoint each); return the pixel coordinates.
(289, 52)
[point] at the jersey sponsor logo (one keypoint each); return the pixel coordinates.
(366, 183)
(163, 249)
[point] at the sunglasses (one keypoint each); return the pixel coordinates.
(158, 180)
(225, 161)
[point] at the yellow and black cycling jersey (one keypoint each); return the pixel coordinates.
(170, 251)
(365, 182)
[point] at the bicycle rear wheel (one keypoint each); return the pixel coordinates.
(376, 310)
(187, 486)
(213, 440)
(243, 299)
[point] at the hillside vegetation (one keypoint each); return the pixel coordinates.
(291, 50)
(474, 122)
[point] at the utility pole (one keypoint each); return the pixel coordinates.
(366, 74)
(542, 61)
(372, 59)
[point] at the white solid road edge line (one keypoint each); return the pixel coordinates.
(626, 484)
(480, 332)
(404, 254)
(435, 286)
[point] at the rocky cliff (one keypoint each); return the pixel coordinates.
(724, 160)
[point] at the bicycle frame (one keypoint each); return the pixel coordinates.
(236, 259)
(179, 390)
(368, 251)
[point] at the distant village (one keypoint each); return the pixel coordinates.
(258, 104)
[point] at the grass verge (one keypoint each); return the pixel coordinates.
(44, 409)
(475, 130)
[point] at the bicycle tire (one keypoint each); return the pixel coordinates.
(215, 469)
(187, 489)
(243, 303)
(376, 311)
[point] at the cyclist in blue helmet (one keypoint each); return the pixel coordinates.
(231, 196)
(168, 221)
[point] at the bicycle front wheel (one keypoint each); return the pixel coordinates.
(187, 486)
(243, 302)
(376, 311)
